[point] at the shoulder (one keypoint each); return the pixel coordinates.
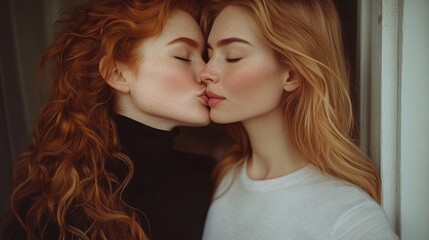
(354, 213)
(366, 220)
(337, 191)
(340, 196)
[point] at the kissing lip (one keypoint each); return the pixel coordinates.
(213, 99)
(212, 95)
(204, 98)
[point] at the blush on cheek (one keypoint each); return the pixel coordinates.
(243, 80)
(178, 81)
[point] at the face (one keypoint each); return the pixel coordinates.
(164, 92)
(244, 80)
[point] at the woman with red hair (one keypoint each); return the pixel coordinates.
(101, 164)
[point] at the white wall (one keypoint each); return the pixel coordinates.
(414, 120)
(378, 74)
(394, 75)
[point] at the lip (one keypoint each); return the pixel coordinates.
(203, 97)
(213, 99)
(212, 95)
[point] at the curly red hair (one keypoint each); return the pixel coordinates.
(63, 178)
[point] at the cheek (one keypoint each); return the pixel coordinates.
(176, 79)
(243, 81)
(172, 81)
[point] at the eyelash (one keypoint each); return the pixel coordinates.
(233, 60)
(183, 59)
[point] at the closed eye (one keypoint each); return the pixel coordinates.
(233, 60)
(183, 59)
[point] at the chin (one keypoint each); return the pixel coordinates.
(197, 122)
(220, 119)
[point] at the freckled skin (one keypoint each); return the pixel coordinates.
(164, 92)
(253, 85)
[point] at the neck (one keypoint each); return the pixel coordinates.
(125, 107)
(273, 154)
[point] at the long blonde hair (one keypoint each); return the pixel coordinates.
(307, 36)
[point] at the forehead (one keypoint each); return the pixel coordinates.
(233, 21)
(181, 24)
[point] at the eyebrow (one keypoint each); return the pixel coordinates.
(188, 41)
(227, 41)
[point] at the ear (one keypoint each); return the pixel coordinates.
(115, 77)
(291, 80)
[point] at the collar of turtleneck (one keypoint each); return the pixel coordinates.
(150, 149)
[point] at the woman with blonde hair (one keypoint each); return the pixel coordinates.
(277, 71)
(101, 164)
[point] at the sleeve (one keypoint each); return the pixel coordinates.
(364, 221)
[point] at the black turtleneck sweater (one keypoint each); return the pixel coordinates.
(172, 189)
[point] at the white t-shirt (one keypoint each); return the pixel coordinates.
(302, 205)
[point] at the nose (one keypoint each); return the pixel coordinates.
(208, 75)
